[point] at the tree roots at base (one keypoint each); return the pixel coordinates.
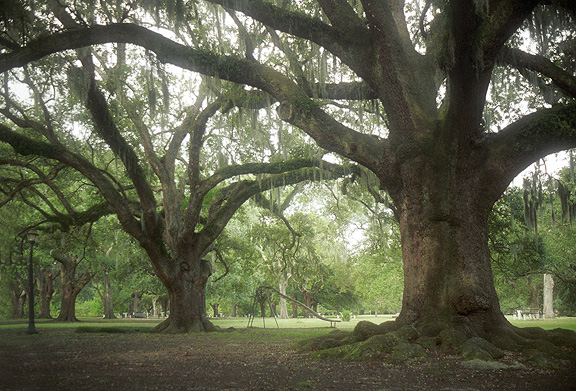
(170, 326)
(397, 341)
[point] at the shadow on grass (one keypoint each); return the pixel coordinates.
(111, 330)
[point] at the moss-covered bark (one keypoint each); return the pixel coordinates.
(187, 291)
(392, 341)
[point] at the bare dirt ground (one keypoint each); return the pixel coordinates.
(248, 359)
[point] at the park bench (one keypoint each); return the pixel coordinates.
(140, 315)
(526, 314)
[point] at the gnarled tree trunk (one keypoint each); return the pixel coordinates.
(186, 288)
(443, 216)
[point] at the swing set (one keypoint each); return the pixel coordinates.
(263, 293)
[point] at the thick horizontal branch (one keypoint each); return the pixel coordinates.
(301, 25)
(168, 51)
(236, 194)
(532, 137)
(354, 91)
(79, 218)
(540, 64)
(323, 128)
(258, 168)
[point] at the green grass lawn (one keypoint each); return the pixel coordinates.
(549, 324)
(269, 323)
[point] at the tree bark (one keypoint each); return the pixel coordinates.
(447, 269)
(45, 292)
(283, 306)
(294, 308)
(215, 307)
(187, 292)
(136, 305)
(18, 297)
(72, 285)
(535, 292)
(548, 296)
(107, 302)
(308, 301)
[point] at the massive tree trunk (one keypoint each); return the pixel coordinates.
(70, 290)
(187, 292)
(45, 292)
(68, 305)
(447, 270)
(443, 214)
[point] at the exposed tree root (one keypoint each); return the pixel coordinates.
(197, 325)
(397, 341)
(66, 320)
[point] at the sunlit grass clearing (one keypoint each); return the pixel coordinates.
(268, 323)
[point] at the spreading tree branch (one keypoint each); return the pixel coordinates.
(233, 196)
(537, 63)
(297, 108)
(520, 144)
(26, 146)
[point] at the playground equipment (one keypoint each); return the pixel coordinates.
(263, 293)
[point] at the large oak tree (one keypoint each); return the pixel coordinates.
(178, 227)
(430, 71)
